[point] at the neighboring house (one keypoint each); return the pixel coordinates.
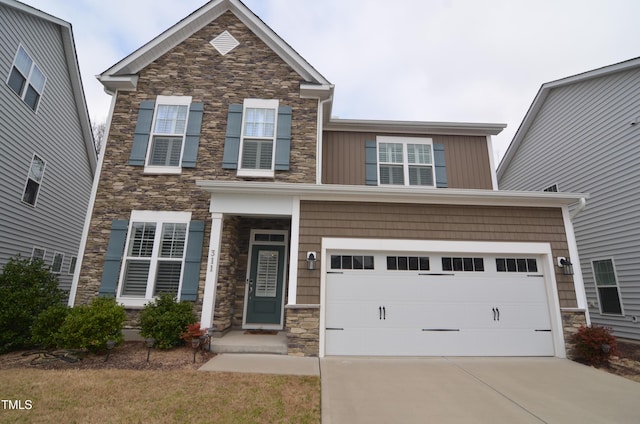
(47, 157)
(225, 181)
(582, 133)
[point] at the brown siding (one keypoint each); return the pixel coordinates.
(426, 222)
(467, 159)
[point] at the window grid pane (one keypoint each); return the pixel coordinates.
(23, 62)
(168, 277)
(135, 278)
(173, 240)
(419, 153)
(142, 238)
(259, 122)
(420, 175)
(391, 152)
(257, 154)
(166, 151)
(171, 119)
(604, 273)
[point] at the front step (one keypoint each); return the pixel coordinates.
(239, 342)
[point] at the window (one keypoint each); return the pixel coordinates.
(257, 150)
(462, 264)
(405, 161)
(408, 263)
(38, 253)
(34, 179)
(26, 79)
(167, 133)
(516, 265)
(154, 254)
(351, 262)
(607, 286)
(56, 266)
(72, 265)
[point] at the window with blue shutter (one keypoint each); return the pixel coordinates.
(167, 134)
(113, 258)
(258, 138)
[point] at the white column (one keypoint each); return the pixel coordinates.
(578, 282)
(211, 281)
(293, 252)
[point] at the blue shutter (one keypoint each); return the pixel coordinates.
(441, 166)
(192, 138)
(232, 139)
(371, 162)
(283, 138)
(113, 258)
(141, 134)
(193, 259)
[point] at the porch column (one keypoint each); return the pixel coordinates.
(292, 293)
(211, 281)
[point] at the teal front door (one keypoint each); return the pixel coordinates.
(265, 286)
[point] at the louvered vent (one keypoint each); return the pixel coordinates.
(224, 43)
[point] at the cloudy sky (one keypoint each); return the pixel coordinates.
(424, 60)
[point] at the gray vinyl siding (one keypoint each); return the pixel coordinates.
(54, 134)
(583, 141)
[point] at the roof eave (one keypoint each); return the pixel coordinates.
(414, 127)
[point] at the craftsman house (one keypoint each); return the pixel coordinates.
(225, 181)
(47, 156)
(581, 133)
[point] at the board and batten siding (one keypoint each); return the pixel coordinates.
(426, 222)
(467, 158)
(54, 134)
(583, 141)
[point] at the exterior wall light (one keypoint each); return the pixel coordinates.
(566, 265)
(311, 260)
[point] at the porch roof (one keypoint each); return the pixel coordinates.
(426, 195)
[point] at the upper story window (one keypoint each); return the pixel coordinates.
(405, 161)
(26, 79)
(167, 135)
(258, 137)
(34, 180)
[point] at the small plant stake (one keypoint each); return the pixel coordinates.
(149, 342)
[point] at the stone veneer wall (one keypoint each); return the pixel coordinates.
(571, 321)
(303, 329)
(194, 68)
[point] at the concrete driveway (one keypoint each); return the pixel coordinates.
(473, 390)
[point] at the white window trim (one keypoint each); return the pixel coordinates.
(53, 261)
(28, 78)
(26, 182)
(405, 158)
(33, 251)
(261, 104)
(166, 101)
(617, 286)
(159, 218)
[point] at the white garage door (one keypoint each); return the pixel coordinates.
(436, 305)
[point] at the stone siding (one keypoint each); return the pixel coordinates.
(571, 321)
(303, 329)
(194, 68)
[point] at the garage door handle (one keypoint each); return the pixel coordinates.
(496, 314)
(384, 313)
(379, 312)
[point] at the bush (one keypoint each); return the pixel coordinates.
(165, 320)
(46, 327)
(590, 345)
(27, 288)
(90, 327)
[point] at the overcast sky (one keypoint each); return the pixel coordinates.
(424, 60)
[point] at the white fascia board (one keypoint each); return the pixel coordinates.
(118, 83)
(415, 127)
(345, 193)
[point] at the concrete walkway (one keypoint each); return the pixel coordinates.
(473, 390)
(262, 364)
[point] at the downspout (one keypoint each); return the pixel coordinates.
(321, 104)
(581, 205)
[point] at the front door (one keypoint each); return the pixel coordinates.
(265, 287)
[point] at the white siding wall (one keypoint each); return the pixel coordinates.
(583, 141)
(53, 133)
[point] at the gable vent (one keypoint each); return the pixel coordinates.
(224, 43)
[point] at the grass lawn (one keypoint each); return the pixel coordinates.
(180, 396)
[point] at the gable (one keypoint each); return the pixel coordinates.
(123, 74)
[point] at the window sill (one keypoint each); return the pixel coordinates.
(133, 302)
(162, 170)
(268, 173)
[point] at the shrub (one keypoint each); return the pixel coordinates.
(590, 345)
(165, 320)
(193, 332)
(27, 288)
(91, 326)
(46, 327)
